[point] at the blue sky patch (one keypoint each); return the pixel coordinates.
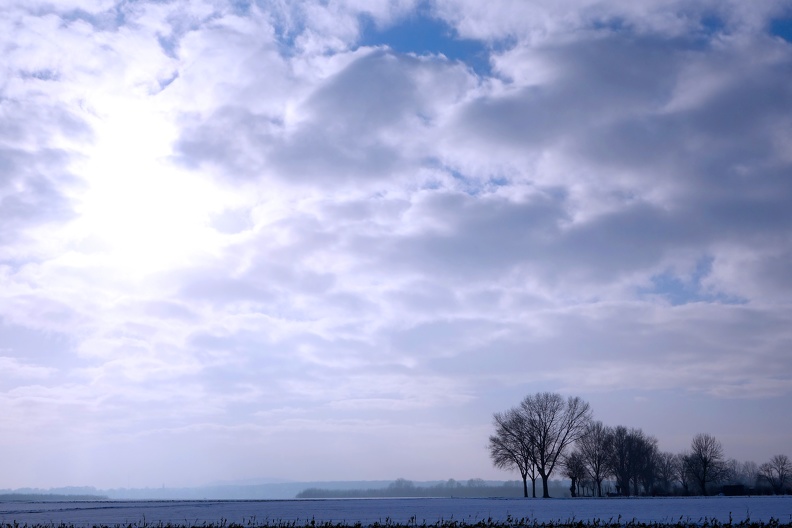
(712, 24)
(241, 7)
(674, 289)
(169, 45)
(683, 291)
(615, 24)
(422, 34)
(782, 27)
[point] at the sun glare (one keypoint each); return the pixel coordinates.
(140, 212)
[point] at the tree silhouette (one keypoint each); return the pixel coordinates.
(510, 447)
(777, 472)
(705, 462)
(575, 470)
(594, 446)
(553, 424)
(533, 436)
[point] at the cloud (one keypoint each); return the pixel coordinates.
(341, 130)
(16, 369)
(37, 180)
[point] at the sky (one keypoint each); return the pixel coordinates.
(328, 239)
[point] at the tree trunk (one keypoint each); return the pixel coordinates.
(545, 491)
(525, 486)
(703, 481)
(599, 488)
(533, 485)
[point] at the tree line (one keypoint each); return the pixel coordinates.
(401, 487)
(547, 434)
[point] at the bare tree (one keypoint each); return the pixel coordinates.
(510, 447)
(575, 469)
(741, 473)
(667, 471)
(731, 468)
(631, 460)
(645, 456)
(553, 424)
(594, 446)
(533, 474)
(683, 475)
(705, 462)
(777, 472)
(619, 459)
(748, 473)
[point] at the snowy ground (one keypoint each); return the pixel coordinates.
(397, 510)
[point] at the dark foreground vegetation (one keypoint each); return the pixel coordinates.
(489, 523)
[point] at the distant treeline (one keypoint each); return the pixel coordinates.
(548, 433)
(407, 488)
(47, 497)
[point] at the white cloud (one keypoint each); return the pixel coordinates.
(14, 368)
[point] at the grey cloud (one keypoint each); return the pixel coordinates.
(627, 345)
(424, 299)
(485, 239)
(305, 369)
(605, 113)
(374, 92)
(315, 157)
(552, 20)
(33, 347)
(772, 274)
(710, 174)
(34, 176)
(234, 139)
(354, 127)
(635, 238)
(430, 341)
(720, 163)
(479, 235)
(594, 81)
(734, 127)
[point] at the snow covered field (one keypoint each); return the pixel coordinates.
(397, 510)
